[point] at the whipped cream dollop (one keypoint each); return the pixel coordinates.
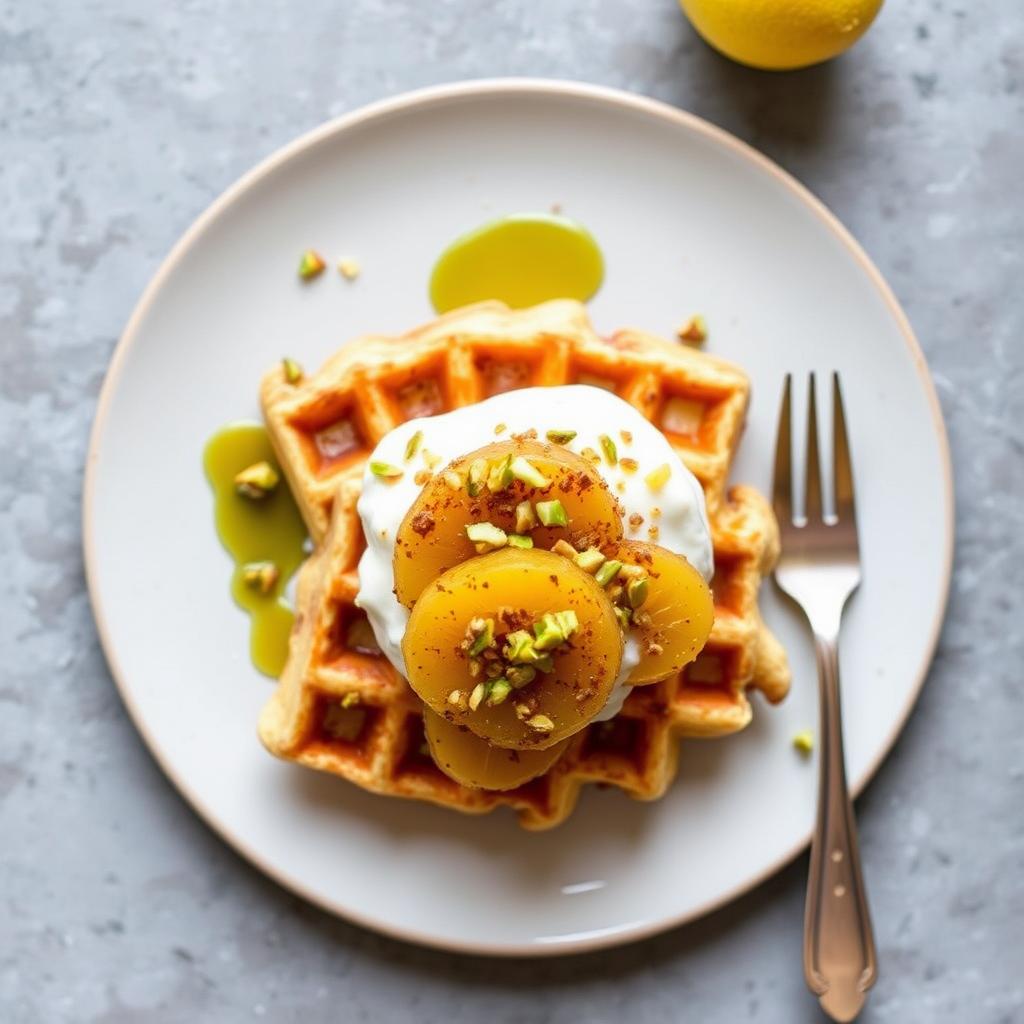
(672, 515)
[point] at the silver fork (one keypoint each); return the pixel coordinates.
(819, 568)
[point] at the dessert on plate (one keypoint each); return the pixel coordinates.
(516, 523)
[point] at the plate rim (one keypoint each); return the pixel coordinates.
(408, 102)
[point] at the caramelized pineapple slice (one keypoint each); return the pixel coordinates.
(511, 684)
(490, 486)
(673, 620)
(471, 761)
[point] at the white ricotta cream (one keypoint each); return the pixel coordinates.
(675, 510)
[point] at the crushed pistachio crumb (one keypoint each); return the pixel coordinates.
(477, 696)
(350, 700)
(637, 591)
(540, 723)
(560, 436)
(500, 476)
(607, 572)
(552, 513)
(629, 465)
(590, 560)
(500, 428)
(256, 481)
(611, 453)
(526, 518)
(528, 473)
(413, 445)
(627, 436)
(519, 540)
(349, 268)
(476, 477)
(486, 535)
(311, 264)
(498, 691)
(386, 471)
(694, 329)
(564, 548)
(421, 477)
(292, 370)
(453, 480)
(480, 635)
(260, 576)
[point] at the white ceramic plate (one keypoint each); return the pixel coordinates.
(689, 220)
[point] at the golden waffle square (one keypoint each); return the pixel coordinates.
(341, 707)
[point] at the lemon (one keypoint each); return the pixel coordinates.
(779, 35)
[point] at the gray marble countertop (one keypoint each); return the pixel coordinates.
(119, 124)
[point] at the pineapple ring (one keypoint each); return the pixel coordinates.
(514, 588)
(432, 536)
(471, 761)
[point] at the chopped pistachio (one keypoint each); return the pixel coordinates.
(488, 534)
(623, 615)
(607, 572)
(523, 712)
(627, 436)
(637, 591)
(430, 458)
(500, 428)
(260, 576)
(520, 675)
(477, 476)
(591, 456)
(694, 329)
(564, 548)
(590, 560)
(657, 478)
(498, 692)
(629, 465)
(611, 453)
(804, 741)
(386, 471)
(256, 481)
(481, 635)
(458, 699)
(560, 436)
(554, 629)
(453, 480)
(350, 700)
(349, 268)
(518, 540)
(540, 723)
(552, 513)
(499, 477)
(413, 445)
(518, 649)
(292, 370)
(528, 473)
(477, 696)
(421, 477)
(631, 572)
(542, 662)
(526, 518)
(311, 265)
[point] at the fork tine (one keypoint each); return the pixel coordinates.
(782, 473)
(812, 507)
(843, 470)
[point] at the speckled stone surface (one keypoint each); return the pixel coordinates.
(119, 123)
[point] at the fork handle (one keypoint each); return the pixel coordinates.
(839, 948)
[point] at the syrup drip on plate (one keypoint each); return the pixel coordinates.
(269, 529)
(521, 259)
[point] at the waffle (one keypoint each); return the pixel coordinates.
(341, 707)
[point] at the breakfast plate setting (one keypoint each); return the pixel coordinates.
(689, 223)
